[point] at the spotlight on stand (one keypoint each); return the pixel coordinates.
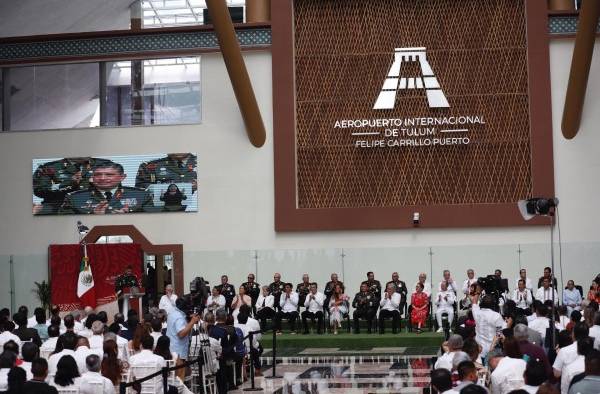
(537, 207)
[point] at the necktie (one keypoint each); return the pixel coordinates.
(263, 302)
(108, 196)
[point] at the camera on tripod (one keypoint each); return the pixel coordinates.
(199, 292)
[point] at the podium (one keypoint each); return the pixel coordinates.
(132, 298)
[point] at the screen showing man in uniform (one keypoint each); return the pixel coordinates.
(115, 184)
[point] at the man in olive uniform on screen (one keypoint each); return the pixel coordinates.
(303, 289)
(365, 307)
(373, 285)
(275, 289)
(106, 195)
(400, 287)
(52, 181)
(227, 290)
(253, 290)
(175, 168)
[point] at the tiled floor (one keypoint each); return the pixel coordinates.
(408, 375)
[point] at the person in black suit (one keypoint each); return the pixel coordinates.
(24, 333)
(38, 385)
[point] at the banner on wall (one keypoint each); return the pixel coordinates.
(115, 184)
(106, 263)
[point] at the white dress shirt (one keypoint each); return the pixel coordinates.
(445, 300)
(540, 324)
(268, 301)
(167, 303)
(528, 284)
(147, 358)
(392, 303)
(96, 342)
(289, 304)
(81, 354)
(487, 324)
(445, 361)
(576, 367)
(219, 301)
(565, 356)
(254, 325)
(466, 287)
(31, 322)
(314, 305)
(75, 385)
(87, 378)
(530, 389)
(53, 360)
(155, 335)
(595, 333)
(546, 294)
(452, 286)
(49, 345)
(85, 333)
(77, 327)
(572, 297)
(523, 299)
(6, 336)
(27, 367)
(508, 375)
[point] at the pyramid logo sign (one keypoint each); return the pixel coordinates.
(394, 81)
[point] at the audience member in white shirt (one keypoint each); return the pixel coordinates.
(67, 374)
(6, 335)
(264, 307)
(426, 285)
(509, 371)
(69, 342)
(466, 287)
(97, 339)
(571, 298)
(540, 323)
(488, 322)
(167, 301)
(451, 284)
(534, 376)
(595, 331)
(215, 301)
(82, 352)
(523, 276)
(122, 343)
(92, 379)
(545, 293)
(29, 352)
(454, 344)
(314, 308)
(156, 330)
(444, 302)
(88, 310)
(577, 366)
(568, 354)
(522, 296)
(288, 302)
(390, 308)
(50, 345)
(146, 359)
(7, 361)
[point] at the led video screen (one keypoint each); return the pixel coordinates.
(115, 184)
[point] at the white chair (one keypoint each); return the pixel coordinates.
(95, 387)
(151, 386)
(45, 354)
(67, 390)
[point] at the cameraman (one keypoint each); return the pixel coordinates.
(488, 322)
(179, 330)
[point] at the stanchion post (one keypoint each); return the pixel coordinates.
(122, 388)
(274, 351)
(252, 386)
(165, 379)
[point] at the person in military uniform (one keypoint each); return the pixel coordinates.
(373, 285)
(253, 290)
(227, 290)
(107, 195)
(401, 289)
(276, 288)
(175, 168)
(330, 287)
(365, 307)
(303, 289)
(123, 281)
(52, 181)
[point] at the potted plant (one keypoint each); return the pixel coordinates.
(42, 293)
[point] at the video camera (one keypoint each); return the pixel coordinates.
(199, 292)
(186, 305)
(490, 284)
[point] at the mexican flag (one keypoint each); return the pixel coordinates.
(85, 282)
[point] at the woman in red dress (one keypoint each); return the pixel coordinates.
(420, 307)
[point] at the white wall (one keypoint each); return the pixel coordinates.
(236, 217)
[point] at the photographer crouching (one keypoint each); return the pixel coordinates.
(180, 323)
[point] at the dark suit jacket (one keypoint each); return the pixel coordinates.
(36, 387)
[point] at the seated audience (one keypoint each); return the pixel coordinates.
(38, 385)
(112, 367)
(288, 303)
(595, 331)
(470, 281)
(522, 297)
(547, 275)
(167, 301)
(50, 345)
(92, 378)
(594, 292)
(69, 343)
(29, 352)
(7, 361)
(156, 333)
(571, 298)
(240, 299)
(577, 365)
(67, 374)
(547, 292)
(450, 283)
(530, 350)
(365, 307)
(16, 381)
(441, 380)
(508, 371)
(338, 308)
(82, 352)
(444, 302)
(523, 277)
(40, 324)
(6, 335)
(419, 302)
(540, 323)
(215, 301)
(454, 344)
(264, 307)
(426, 286)
(145, 357)
(467, 375)
(535, 375)
(568, 354)
(313, 303)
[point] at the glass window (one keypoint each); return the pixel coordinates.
(153, 92)
(54, 97)
(166, 13)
